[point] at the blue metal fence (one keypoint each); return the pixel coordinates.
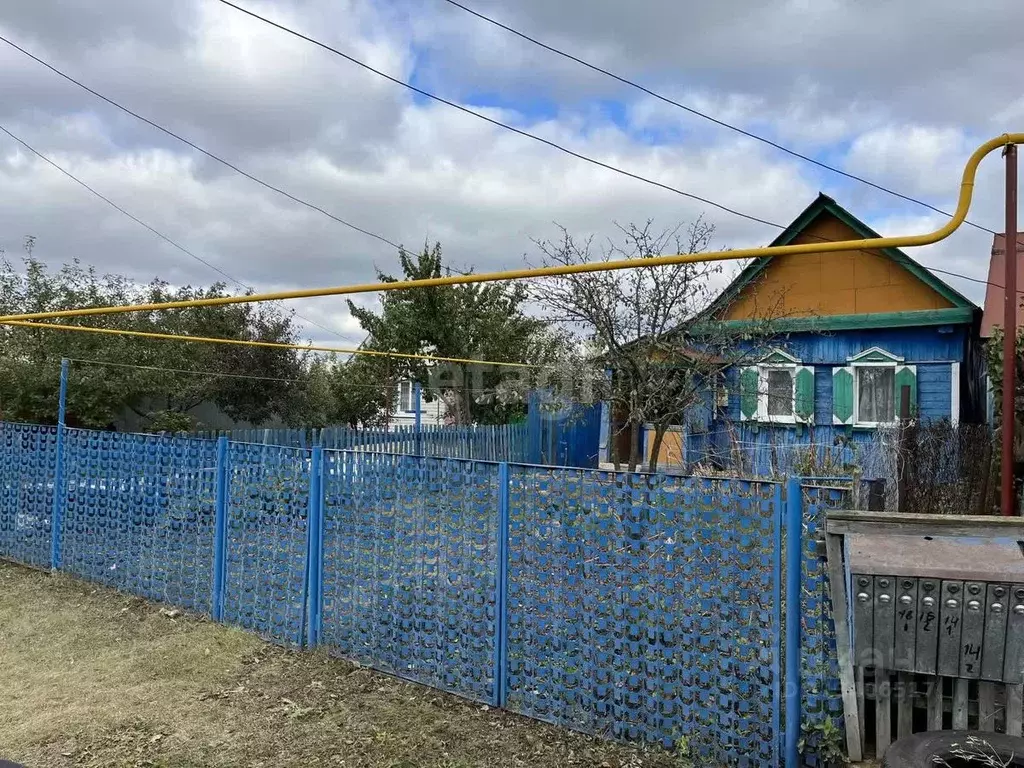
(635, 606)
(481, 442)
(138, 514)
(410, 567)
(28, 460)
(643, 607)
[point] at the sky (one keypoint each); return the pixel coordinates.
(897, 92)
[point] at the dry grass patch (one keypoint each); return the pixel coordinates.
(91, 677)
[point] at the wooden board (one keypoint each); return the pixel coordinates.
(883, 713)
(847, 681)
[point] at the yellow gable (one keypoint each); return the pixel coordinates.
(854, 283)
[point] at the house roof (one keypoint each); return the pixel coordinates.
(995, 293)
(962, 310)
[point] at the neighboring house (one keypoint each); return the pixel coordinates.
(852, 330)
(406, 403)
(995, 295)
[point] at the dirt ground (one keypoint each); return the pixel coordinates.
(90, 677)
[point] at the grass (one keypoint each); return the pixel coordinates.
(92, 677)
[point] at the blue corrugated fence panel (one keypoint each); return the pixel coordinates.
(643, 607)
(28, 458)
(139, 514)
(409, 567)
(265, 560)
(821, 694)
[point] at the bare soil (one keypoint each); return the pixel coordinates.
(91, 677)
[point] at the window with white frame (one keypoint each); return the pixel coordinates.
(405, 398)
(867, 391)
(779, 390)
(875, 393)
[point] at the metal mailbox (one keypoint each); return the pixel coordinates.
(951, 606)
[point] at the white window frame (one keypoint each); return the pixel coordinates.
(858, 363)
(792, 365)
(412, 399)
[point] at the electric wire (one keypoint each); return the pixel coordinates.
(705, 116)
(560, 147)
(156, 232)
(318, 209)
(197, 148)
(265, 344)
(220, 374)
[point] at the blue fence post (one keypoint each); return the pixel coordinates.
(777, 668)
(794, 591)
(220, 530)
(314, 548)
(57, 508)
(501, 592)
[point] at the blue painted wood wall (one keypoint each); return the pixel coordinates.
(769, 449)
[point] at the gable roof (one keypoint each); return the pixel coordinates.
(824, 204)
(995, 292)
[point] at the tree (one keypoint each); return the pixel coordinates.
(994, 360)
(648, 325)
(363, 390)
(30, 357)
(480, 321)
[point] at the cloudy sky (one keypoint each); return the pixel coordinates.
(899, 92)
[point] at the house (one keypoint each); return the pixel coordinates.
(407, 401)
(853, 334)
(995, 295)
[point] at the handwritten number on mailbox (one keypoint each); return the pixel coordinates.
(951, 623)
(906, 616)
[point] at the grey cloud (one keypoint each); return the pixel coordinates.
(366, 151)
(939, 61)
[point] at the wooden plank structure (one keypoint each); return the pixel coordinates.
(885, 704)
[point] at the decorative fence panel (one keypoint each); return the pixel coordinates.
(138, 514)
(635, 606)
(28, 460)
(410, 567)
(819, 671)
(646, 607)
(485, 442)
(267, 509)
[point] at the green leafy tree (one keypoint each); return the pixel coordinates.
(97, 395)
(363, 390)
(481, 322)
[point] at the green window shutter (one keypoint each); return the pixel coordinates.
(842, 395)
(748, 393)
(804, 387)
(906, 376)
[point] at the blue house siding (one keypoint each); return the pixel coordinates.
(780, 449)
(937, 344)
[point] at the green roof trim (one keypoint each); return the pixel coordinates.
(919, 317)
(825, 204)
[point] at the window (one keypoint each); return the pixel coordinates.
(405, 402)
(876, 390)
(867, 392)
(778, 391)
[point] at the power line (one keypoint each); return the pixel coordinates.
(314, 207)
(705, 116)
(211, 155)
(498, 123)
(587, 158)
(156, 232)
(111, 364)
(301, 317)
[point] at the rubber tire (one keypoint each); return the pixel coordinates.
(921, 749)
